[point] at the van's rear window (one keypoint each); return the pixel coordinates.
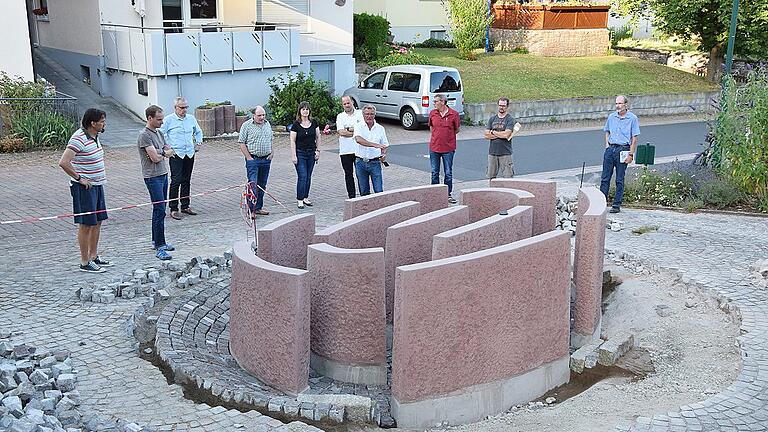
(444, 82)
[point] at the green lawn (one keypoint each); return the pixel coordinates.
(528, 76)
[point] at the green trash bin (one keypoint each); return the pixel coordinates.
(645, 154)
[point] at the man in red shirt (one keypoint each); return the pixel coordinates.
(444, 123)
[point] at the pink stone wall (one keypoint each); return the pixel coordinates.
(544, 204)
(588, 260)
(284, 242)
(485, 202)
(368, 230)
(481, 317)
(431, 197)
(269, 320)
(411, 242)
(348, 304)
(486, 233)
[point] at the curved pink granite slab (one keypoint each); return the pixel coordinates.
(486, 233)
(485, 202)
(284, 242)
(588, 265)
(431, 197)
(478, 333)
(348, 327)
(269, 320)
(411, 242)
(544, 204)
(368, 230)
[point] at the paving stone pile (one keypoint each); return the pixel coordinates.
(603, 352)
(566, 213)
(153, 281)
(39, 394)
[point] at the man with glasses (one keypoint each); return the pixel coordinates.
(444, 123)
(500, 129)
(621, 131)
(183, 134)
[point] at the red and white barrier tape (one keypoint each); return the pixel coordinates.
(126, 207)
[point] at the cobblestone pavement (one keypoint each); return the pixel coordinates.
(38, 278)
(712, 252)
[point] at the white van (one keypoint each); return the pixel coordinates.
(406, 92)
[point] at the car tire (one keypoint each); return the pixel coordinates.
(408, 119)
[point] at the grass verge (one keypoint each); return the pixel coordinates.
(527, 76)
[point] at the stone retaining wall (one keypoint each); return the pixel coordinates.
(486, 233)
(431, 197)
(645, 54)
(588, 266)
(269, 322)
(544, 202)
(486, 202)
(473, 337)
(554, 43)
(410, 242)
(348, 326)
(531, 111)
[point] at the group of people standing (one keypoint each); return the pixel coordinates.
(363, 148)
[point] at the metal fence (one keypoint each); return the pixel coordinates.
(13, 109)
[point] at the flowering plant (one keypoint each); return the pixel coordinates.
(40, 11)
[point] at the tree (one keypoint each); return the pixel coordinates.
(468, 19)
(708, 21)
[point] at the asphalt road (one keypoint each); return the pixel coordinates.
(554, 151)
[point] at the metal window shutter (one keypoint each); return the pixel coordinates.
(285, 11)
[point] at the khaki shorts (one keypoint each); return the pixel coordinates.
(500, 166)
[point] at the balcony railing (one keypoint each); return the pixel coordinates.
(163, 51)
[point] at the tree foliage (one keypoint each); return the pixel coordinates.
(370, 36)
(288, 90)
(708, 21)
(468, 19)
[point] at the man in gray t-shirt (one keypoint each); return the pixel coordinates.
(152, 152)
(499, 132)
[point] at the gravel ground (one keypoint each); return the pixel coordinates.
(693, 351)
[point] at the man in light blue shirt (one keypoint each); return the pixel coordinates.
(621, 131)
(184, 135)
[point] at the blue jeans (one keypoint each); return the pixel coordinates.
(434, 160)
(364, 171)
(158, 191)
(304, 166)
(257, 170)
(611, 160)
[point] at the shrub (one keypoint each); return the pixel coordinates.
(520, 50)
(435, 43)
(720, 193)
(288, 90)
(740, 144)
(43, 128)
(400, 55)
(692, 204)
(670, 189)
(619, 34)
(18, 88)
(370, 36)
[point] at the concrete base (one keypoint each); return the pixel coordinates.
(578, 340)
(475, 403)
(356, 374)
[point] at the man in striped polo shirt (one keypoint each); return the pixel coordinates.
(83, 160)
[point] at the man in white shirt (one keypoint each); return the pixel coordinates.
(345, 125)
(371, 152)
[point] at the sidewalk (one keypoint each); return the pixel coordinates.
(122, 126)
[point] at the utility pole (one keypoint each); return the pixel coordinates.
(731, 37)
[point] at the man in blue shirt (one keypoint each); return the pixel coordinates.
(621, 131)
(185, 137)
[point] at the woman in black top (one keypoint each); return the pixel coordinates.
(305, 136)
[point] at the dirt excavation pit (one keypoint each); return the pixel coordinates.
(685, 352)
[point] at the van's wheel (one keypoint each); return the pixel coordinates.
(408, 119)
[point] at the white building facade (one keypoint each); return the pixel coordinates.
(16, 59)
(143, 52)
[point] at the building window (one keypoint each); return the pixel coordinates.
(143, 87)
(202, 9)
(437, 34)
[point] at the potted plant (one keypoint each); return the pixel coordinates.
(206, 117)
